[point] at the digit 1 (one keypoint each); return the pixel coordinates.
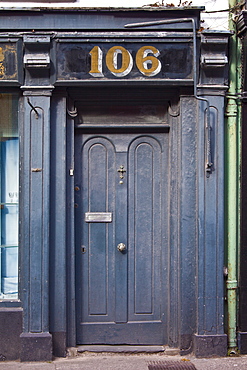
(96, 62)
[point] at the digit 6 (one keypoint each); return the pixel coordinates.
(148, 65)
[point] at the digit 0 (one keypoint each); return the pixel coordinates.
(112, 61)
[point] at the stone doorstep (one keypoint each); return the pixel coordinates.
(73, 351)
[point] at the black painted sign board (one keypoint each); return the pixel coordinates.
(117, 61)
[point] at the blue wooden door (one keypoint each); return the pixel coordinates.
(121, 187)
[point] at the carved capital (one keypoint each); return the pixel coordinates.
(37, 51)
(214, 58)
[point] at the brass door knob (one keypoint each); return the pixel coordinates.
(121, 247)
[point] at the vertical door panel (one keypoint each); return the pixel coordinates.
(97, 300)
(97, 166)
(144, 229)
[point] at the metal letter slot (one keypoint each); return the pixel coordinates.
(98, 217)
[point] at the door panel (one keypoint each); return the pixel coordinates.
(120, 294)
(96, 262)
(144, 228)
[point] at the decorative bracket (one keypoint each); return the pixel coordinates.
(37, 51)
(214, 59)
(174, 108)
(72, 113)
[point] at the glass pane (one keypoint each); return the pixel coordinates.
(9, 185)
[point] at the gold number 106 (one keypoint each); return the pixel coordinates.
(146, 61)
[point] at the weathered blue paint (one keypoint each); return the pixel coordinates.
(210, 320)
(70, 231)
(112, 286)
(88, 19)
(210, 230)
(35, 222)
(167, 287)
(35, 190)
(187, 235)
(58, 266)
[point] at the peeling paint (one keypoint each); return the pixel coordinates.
(8, 61)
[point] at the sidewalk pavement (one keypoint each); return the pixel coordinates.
(107, 361)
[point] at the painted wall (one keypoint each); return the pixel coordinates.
(201, 305)
(213, 21)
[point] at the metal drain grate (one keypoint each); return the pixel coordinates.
(171, 365)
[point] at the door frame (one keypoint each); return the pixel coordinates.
(172, 97)
(151, 325)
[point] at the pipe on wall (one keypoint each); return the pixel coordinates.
(232, 185)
